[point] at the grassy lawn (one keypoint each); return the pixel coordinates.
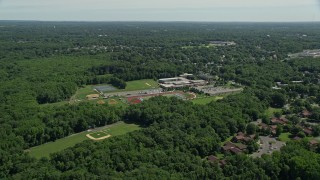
(99, 134)
(284, 137)
(141, 85)
(46, 149)
(317, 139)
(206, 100)
(131, 86)
(121, 128)
(116, 102)
(270, 111)
(83, 92)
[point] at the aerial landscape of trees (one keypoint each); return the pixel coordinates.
(43, 64)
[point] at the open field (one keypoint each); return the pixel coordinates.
(115, 102)
(131, 86)
(83, 92)
(206, 100)
(140, 85)
(284, 137)
(99, 134)
(45, 150)
(270, 111)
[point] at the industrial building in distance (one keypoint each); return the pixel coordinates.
(182, 81)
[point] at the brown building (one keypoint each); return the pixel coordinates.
(234, 148)
(241, 137)
(306, 113)
(282, 121)
(213, 158)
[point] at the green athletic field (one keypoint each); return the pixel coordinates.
(141, 85)
(46, 149)
(131, 86)
(284, 137)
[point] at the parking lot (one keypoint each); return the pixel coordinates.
(217, 90)
(267, 146)
(134, 93)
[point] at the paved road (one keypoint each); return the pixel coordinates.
(266, 148)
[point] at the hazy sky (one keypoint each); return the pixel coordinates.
(161, 10)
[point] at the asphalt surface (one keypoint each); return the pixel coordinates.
(134, 93)
(217, 90)
(267, 146)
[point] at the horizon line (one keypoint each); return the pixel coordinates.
(166, 21)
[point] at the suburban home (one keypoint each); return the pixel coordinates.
(313, 143)
(263, 126)
(305, 113)
(297, 138)
(214, 159)
(235, 151)
(273, 129)
(308, 131)
(234, 148)
(282, 121)
(241, 137)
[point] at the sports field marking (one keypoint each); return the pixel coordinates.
(97, 139)
(101, 102)
(148, 84)
(112, 102)
(113, 130)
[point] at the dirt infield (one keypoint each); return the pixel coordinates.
(101, 102)
(134, 100)
(192, 96)
(97, 139)
(112, 102)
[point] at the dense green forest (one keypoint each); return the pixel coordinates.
(44, 63)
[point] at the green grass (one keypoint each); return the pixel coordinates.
(83, 92)
(121, 128)
(141, 85)
(284, 137)
(206, 100)
(270, 111)
(46, 149)
(227, 140)
(220, 155)
(188, 95)
(119, 102)
(99, 134)
(131, 86)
